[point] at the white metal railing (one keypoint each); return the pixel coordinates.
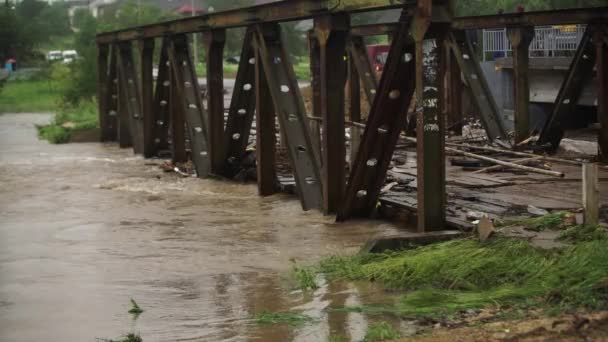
(549, 41)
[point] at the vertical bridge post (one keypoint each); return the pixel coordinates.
(146, 87)
(600, 40)
(332, 32)
(265, 118)
(430, 119)
(520, 38)
(214, 41)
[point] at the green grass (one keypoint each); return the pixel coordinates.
(287, 318)
(538, 224)
(302, 70)
(583, 233)
(135, 309)
(448, 277)
(29, 96)
(67, 120)
(305, 278)
(381, 331)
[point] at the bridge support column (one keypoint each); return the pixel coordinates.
(601, 45)
(146, 82)
(265, 118)
(520, 38)
(214, 41)
(332, 32)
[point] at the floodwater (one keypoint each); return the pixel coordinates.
(86, 227)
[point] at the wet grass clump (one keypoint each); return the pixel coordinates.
(584, 233)
(550, 221)
(305, 278)
(135, 309)
(381, 331)
(288, 318)
(448, 277)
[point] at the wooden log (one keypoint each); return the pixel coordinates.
(500, 162)
(498, 167)
(521, 154)
(591, 193)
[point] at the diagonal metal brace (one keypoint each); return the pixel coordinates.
(482, 97)
(188, 96)
(580, 72)
(291, 113)
(242, 108)
(386, 119)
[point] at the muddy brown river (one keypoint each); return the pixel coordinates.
(86, 227)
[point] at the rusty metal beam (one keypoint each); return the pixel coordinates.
(358, 53)
(130, 108)
(520, 38)
(214, 41)
(146, 87)
(162, 98)
(601, 46)
(189, 99)
(482, 96)
(178, 123)
(332, 33)
(265, 118)
(242, 108)
(273, 12)
(384, 124)
(289, 107)
(580, 71)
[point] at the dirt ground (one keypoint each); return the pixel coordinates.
(571, 328)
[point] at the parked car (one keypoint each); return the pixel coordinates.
(55, 55)
(69, 56)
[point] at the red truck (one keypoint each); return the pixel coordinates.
(377, 55)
